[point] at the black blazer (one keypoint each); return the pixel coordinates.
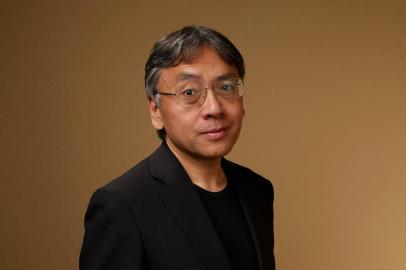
(153, 218)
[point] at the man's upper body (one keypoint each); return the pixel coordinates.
(185, 206)
(153, 217)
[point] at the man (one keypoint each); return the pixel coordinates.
(185, 207)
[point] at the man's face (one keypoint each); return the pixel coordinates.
(202, 131)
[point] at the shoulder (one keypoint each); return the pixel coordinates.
(144, 182)
(135, 185)
(132, 179)
(252, 186)
(242, 172)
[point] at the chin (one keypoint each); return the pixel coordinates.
(203, 149)
(216, 151)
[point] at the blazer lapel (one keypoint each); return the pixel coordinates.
(183, 201)
(253, 202)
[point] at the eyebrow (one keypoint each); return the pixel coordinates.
(185, 76)
(227, 77)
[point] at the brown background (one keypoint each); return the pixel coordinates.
(325, 101)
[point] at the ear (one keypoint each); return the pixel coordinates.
(155, 114)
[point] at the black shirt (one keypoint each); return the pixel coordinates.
(225, 211)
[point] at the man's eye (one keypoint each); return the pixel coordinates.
(227, 87)
(189, 92)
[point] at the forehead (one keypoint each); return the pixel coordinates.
(207, 65)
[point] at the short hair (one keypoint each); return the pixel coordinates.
(182, 46)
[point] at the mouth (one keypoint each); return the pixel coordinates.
(215, 133)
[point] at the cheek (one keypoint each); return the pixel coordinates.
(180, 121)
(236, 114)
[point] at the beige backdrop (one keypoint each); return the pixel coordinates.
(325, 101)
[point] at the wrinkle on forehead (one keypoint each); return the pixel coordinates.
(207, 67)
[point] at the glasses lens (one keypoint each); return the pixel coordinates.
(190, 93)
(230, 88)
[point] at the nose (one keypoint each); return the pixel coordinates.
(211, 106)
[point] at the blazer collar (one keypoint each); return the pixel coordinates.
(183, 201)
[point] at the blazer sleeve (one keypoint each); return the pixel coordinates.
(271, 218)
(111, 240)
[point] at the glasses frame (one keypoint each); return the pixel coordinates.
(203, 92)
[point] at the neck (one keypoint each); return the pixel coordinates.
(205, 173)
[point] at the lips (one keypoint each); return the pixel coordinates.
(214, 133)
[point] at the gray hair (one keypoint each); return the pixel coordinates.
(182, 46)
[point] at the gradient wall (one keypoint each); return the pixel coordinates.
(325, 102)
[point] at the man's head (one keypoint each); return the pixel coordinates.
(201, 66)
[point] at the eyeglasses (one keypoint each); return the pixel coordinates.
(195, 92)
